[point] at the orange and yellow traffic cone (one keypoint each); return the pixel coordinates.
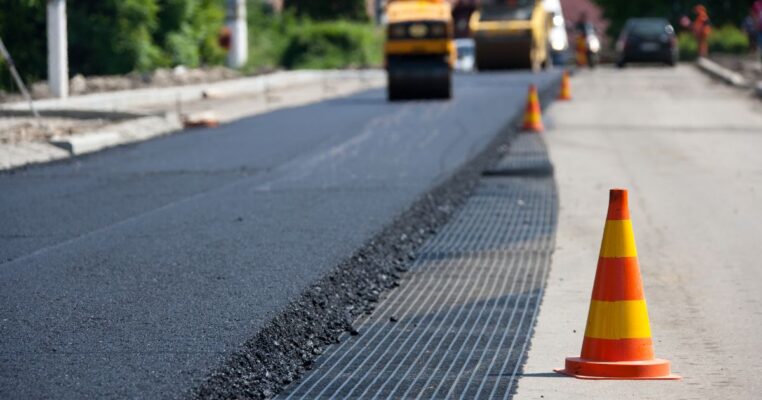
(533, 114)
(565, 93)
(617, 343)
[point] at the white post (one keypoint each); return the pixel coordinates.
(58, 59)
(239, 43)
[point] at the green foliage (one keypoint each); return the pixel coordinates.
(289, 41)
(22, 28)
(728, 39)
(120, 36)
(687, 45)
(188, 31)
(268, 35)
(112, 36)
(329, 10)
(332, 45)
(618, 11)
(115, 36)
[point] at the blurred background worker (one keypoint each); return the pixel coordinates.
(749, 27)
(756, 19)
(702, 29)
(580, 43)
(587, 45)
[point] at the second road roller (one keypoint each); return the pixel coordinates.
(420, 49)
(511, 34)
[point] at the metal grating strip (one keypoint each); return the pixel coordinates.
(528, 156)
(465, 314)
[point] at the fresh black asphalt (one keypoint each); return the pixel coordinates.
(131, 272)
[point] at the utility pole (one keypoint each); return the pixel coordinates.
(58, 59)
(236, 23)
(377, 11)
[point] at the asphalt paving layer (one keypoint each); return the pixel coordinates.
(140, 271)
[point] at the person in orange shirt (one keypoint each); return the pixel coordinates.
(580, 43)
(702, 29)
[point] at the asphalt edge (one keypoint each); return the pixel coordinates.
(125, 132)
(287, 346)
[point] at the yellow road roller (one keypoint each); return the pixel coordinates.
(419, 50)
(511, 34)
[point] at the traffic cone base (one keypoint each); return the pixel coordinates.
(654, 369)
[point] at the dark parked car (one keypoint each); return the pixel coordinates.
(647, 40)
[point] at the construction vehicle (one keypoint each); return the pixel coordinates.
(511, 34)
(420, 49)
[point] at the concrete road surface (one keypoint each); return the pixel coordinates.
(133, 272)
(688, 150)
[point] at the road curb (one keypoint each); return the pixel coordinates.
(128, 99)
(719, 72)
(126, 132)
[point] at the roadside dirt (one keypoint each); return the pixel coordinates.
(28, 129)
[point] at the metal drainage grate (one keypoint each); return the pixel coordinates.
(528, 156)
(460, 324)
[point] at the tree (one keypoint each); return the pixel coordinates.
(115, 36)
(22, 27)
(618, 11)
(112, 36)
(327, 10)
(188, 31)
(720, 11)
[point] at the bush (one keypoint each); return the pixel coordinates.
(720, 11)
(268, 36)
(112, 37)
(120, 36)
(22, 27)
(328, 10)
(687, 45)
(728, 39)
(285, 40)
(332, 45)
(115, 36)
(188, 31)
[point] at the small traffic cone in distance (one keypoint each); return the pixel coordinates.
(533, 113)
(565, 93)
(617, 343)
